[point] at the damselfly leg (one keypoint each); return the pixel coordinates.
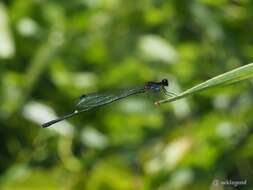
(167, 93)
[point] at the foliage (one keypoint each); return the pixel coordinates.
(51, 52)
(230, 77)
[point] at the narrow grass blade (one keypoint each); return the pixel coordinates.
(236, 75)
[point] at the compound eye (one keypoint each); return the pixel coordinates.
(165, 82)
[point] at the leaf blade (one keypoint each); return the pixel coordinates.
(235, 75)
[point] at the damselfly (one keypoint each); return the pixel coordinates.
(94, 100)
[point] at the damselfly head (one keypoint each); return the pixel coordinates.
(82, 96)
(165, 82)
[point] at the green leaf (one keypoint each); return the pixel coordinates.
(236, 75)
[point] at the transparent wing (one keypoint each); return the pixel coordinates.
(98, 99)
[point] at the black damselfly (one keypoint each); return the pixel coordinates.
(94, 100)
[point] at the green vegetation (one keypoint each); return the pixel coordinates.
(51, 52)
(230, 77)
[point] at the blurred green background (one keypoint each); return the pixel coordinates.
(53, 51)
